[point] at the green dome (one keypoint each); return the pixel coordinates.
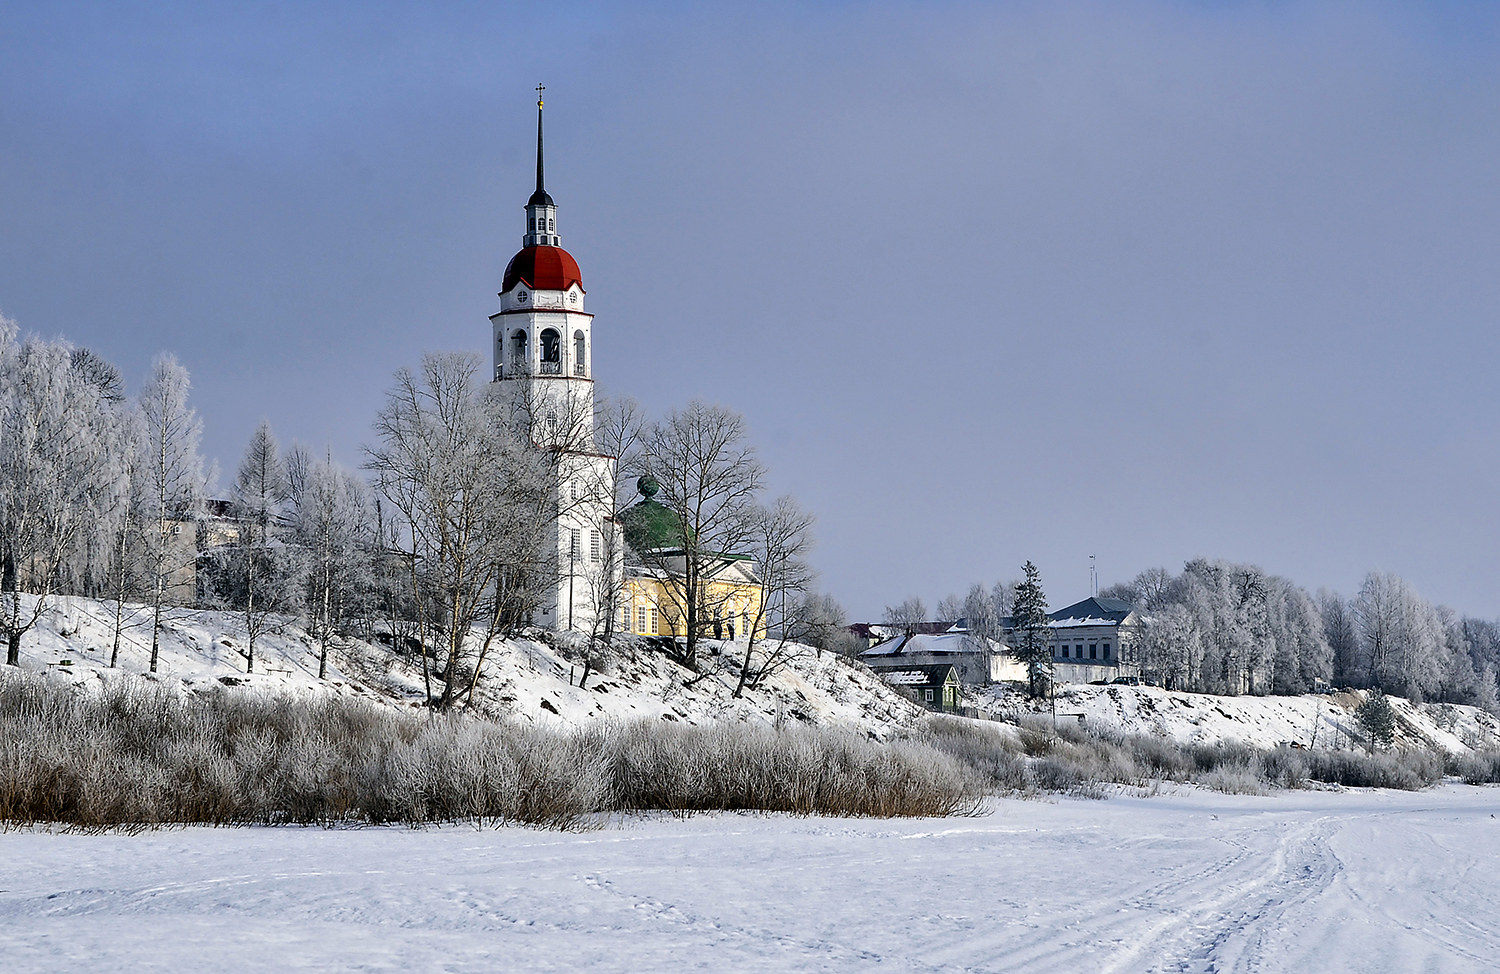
(649, 524)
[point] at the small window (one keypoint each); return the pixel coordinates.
(518, 348)
(1093, 650)
(929, 695)
(580, 353)
(1065, 652)
(655, 621)
(596, 545)
(573, 543)
(1106, 650)
(640, 618)
(551, 224)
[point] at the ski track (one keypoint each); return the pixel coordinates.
(1190, 883)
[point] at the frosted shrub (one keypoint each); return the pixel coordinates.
(135, 755)
(1482, 768)
(1081, 760)
(799, 770)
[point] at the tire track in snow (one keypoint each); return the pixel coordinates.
(1224, 928)
(1213, 918)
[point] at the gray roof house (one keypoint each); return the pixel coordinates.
(934, 686)
(1091, 640)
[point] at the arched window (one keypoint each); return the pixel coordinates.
(580, 354)
(551, 343)
(518, 350)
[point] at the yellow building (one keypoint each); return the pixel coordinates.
(729, 593)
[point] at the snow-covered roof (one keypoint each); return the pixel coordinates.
(1084, 621)
(947, 642)
(1099, 612)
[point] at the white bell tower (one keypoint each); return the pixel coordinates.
(542, 342)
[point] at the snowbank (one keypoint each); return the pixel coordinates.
(524, 679)
(1321, 720)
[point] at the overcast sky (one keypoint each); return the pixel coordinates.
(990, 282)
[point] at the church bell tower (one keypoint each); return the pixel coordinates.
(542, 342)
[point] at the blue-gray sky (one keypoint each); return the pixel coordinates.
(990, 281)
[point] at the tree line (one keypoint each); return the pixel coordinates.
(444, 542)
(1221, 627)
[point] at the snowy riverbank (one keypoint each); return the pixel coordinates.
(1191, 880)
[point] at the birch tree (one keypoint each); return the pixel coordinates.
(173, 483)
(780, 539)
(54, 463)
(262, 574)
(334, 524)
(472, 490)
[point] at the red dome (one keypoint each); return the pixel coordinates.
(543, 269)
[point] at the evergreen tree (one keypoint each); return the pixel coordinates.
(1032, 632)
(1377, 717)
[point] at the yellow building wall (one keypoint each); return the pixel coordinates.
(653, 612)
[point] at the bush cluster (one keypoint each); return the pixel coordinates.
(1079, 760)
(135, 754)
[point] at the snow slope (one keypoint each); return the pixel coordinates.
(535, 680)
(1324, 720)
(1194, 881)
(522, 679)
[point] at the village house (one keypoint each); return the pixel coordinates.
(935, 686)
(975, 659)
(1091, 640)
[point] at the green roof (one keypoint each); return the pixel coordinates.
(649, 524)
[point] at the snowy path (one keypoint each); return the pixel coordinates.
(1194, 882)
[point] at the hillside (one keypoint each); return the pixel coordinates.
(1324, 720)
(524, 679)
(535, 680)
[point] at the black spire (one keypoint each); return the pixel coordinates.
(540, 197)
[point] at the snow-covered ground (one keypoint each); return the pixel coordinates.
(522, 679)
(1188, 881)
(1321, 720)
(531, 679)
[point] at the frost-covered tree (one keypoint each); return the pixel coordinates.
(1401, 635)
(260, 575)
(820, 621)
(55, 473)
(126, 576)
(619, 425)
(780, 539)
(172, 484)
(335, 527)
(472, 491)
(1340, 633)
(985, 622)
(950, 608)
(906, 615)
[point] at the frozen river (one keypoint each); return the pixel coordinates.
(1193, 881)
